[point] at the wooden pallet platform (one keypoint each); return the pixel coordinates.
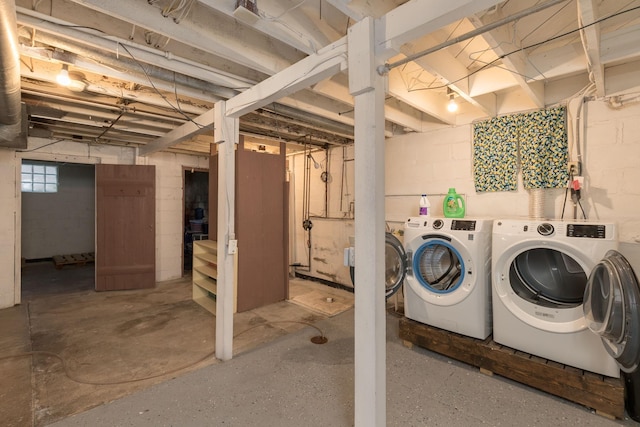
(603, 394)
(75, 259)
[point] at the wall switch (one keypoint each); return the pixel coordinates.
(349, 257)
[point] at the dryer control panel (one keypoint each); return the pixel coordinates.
(593, 231)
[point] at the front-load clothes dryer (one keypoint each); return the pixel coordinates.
(395, 261)
(552, 282)
(448, 283)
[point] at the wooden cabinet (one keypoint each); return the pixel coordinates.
(205, 274)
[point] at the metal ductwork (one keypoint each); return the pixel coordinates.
(11, 110)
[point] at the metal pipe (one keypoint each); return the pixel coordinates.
(385, 68)
(10, 107)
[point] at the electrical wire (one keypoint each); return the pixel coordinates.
(499, 58)
(113, 123)
(79, 380)
(42, 146)
(177, 109)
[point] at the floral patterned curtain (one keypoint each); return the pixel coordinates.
(540, 140)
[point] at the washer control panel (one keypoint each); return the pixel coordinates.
(437, 224)
(591, 231)
(462, 225)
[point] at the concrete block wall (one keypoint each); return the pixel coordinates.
(169, 210)
(431, 162)
(169, 178)
(8, 224)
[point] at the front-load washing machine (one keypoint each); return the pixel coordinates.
(552, 282)
(448, 283)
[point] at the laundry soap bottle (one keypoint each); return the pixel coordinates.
(453, 205)
(424, 205)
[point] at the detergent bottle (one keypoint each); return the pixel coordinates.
(453, 205)
(424, 205)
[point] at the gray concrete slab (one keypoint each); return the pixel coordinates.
(293, 382)
(15, 372)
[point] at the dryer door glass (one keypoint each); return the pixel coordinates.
(548, 277)
(438, 266)
(395, 265)
(611, 308)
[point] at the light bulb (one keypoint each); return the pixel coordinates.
(452, 106)
(63, 77)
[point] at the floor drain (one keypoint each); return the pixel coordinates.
(319, 339)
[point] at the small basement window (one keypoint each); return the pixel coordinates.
(39, 178)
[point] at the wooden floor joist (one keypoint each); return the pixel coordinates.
(603, 394)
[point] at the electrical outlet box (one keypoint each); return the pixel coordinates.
(574, 168)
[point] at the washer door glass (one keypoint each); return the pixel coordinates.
(611, 308)
(438, 266)
(548, 278)
(395, 265)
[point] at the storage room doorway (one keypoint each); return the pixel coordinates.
(57, 227)
(196, 211)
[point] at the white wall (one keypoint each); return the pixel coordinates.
(431, 162)
(8, 225)
(61, 223)
(168, 202)
(169, 209)
(330, 211)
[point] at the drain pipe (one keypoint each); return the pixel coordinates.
(10, 107)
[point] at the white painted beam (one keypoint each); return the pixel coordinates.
(367, 86)
(240, 45)
(433, 102)
(226, 136)
(344, 7)
(516, 63)
(416, 18)
(201, 124)
(310, 70)
(336, 89)
(274, 20)
(449, 71)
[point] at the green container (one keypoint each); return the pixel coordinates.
(453, 205)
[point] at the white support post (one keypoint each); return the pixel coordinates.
(367, 87)
(226, 136)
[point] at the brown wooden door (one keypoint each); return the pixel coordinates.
(125, 227)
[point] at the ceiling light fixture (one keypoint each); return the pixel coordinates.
(63, 78)
(452, 105)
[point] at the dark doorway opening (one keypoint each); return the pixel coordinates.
(196, 211)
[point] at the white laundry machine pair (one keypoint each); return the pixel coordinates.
(448, 283)
(561, 291)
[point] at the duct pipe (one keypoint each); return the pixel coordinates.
(536, 203)
(10, 107)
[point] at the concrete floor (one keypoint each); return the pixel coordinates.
(277, 377)
(89, 348)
